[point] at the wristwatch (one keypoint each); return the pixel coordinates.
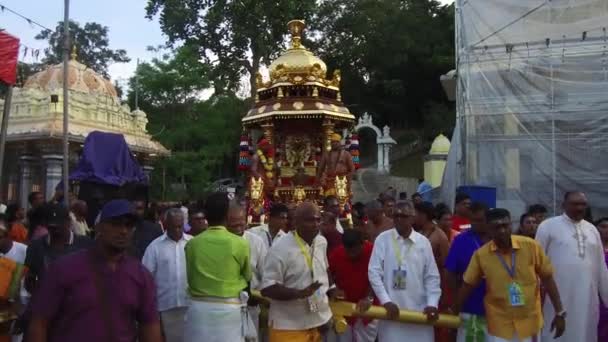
(561, 314)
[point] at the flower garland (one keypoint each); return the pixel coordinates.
(268, 163)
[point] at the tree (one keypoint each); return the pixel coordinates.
(202, 134)
(236, 36)
(416, 40)
(91, 43)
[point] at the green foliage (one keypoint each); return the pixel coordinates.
(391, 54)
(202, 134)
(236, 36)
(91, 42)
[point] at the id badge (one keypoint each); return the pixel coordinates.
(314, 301)
(516, 296)
(399, 282)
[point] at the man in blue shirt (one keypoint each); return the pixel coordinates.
(463, 247)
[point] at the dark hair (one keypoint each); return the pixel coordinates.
(427, 209)
(195, 210)
(537, 209)
(403, 195)
(416, 194)
(216, 208)
(359, 209)
(352, 238)
(523, 217)
(441, 209)
(328, 199)
(477, 207)
(30, 197)
(600, 221)
(277, 209)
(496, 214)
(461, 196)
(11, 212)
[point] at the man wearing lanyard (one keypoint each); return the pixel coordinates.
(463, 247)
(295, 279)
(511, 266)
(403, 275)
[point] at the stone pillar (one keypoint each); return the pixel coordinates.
(387, 160)
(380, 157)
(53, 172)
(148, 171)
(25, 178)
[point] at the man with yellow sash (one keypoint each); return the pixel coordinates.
(295, 279)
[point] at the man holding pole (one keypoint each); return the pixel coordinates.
(403, 274)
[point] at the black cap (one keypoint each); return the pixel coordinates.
(56, 215)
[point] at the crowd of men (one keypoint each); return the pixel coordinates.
(189, 274)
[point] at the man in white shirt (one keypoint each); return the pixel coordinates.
(295, 279)
(576, 251)
(237, 223)
(166, 260)
(332, 205)
(276, 227)
(403, 275)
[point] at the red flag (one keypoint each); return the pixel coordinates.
(9, 53)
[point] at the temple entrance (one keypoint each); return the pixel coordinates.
(383, 139)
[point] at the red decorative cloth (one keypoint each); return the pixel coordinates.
(9, 52)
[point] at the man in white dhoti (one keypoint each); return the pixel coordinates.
(575, 249)
(295, 278)
(237, 224)
(218, 269)
(165, 258)
(403, 275)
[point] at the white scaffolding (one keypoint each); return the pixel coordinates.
(532, 101)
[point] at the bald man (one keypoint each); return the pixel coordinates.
(295, 279)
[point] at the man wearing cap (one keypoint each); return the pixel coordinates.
(335, 163)
(99, 294)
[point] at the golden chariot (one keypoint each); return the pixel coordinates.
(289, 127)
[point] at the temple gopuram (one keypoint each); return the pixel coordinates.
(34, 147)
(293, 148)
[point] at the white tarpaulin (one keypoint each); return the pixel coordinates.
(532, 101)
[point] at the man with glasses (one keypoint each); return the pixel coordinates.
(403, 274)
(276, 227)
(198, 221)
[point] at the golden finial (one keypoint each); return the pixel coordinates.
(295, 28)
(74, 54)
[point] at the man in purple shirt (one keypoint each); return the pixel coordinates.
(100, 294)
(463, 247)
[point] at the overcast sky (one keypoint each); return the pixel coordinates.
(129, 29)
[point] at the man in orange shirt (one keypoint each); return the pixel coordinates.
(511, 266)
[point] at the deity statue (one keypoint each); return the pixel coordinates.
(336, 162)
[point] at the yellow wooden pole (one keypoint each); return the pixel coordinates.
(342, 309)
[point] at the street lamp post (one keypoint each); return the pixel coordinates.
(66, 61)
